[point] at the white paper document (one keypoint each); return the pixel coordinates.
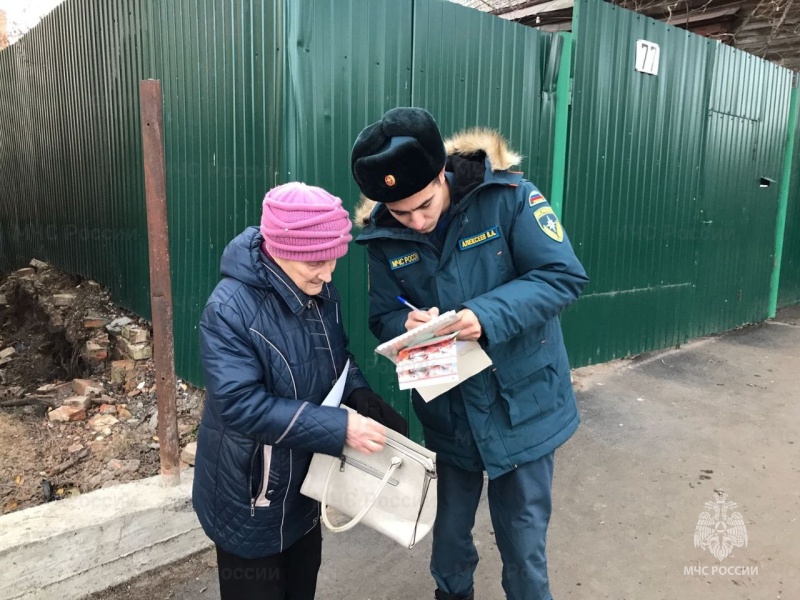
(334, 397)
(425, 361)
(471, 361)
(415, 336)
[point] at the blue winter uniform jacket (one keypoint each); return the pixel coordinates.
(505, 257)
(270, 355)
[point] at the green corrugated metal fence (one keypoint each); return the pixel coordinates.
(221, 67)
(789, 290)
(472, 70)
(70, 148)
(663, 198)
(746, 134)
(255, 94)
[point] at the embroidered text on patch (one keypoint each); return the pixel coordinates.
(404, 261)
(481, 238)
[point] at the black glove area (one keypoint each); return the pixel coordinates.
(366, 402)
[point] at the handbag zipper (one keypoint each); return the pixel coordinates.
(365, 468)
(426, 462)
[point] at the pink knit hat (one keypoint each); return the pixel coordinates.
(305, 223)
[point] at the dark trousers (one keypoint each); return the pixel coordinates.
(519, 504)
(290, 575)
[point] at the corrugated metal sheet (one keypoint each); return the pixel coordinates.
(633, 183)
(789, 291)
(70, 145)
(221, 66)
(340, 77)
(664, 205)
(471, 70)
(746, 137)
(259, 93)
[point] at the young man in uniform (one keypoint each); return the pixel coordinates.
(451, 228)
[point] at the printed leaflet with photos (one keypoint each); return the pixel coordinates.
(432, 365)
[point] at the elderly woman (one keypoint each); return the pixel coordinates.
(272, 344)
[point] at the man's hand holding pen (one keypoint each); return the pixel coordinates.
(468, 326)
(420, 317)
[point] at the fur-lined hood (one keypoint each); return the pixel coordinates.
(465, 144)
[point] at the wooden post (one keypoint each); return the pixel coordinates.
(160, 283)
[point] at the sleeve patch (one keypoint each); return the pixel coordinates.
(548, 222)
(536, 198)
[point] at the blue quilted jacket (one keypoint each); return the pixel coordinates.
(270, 355)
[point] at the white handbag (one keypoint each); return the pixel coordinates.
(392, 491)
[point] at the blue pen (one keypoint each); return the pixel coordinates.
(408, 304)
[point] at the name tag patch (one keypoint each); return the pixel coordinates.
(481, 238)
(404, 261)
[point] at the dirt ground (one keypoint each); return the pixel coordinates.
(56, 328)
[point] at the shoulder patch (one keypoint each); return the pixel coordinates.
(479, 238)
(548, 222)
(536, 198)
(403, 261)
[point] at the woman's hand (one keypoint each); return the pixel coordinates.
(363, 434)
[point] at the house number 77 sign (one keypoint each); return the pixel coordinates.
(647, 57)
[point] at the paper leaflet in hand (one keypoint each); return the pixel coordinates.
(334, 397)
(420, 334)
(432, 365)
(429, 363)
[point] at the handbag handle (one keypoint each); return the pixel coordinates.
(396, 462)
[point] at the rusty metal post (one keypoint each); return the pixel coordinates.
(155, 183)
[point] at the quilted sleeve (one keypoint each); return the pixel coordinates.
(235, 386)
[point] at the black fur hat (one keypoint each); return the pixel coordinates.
(398, 156)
